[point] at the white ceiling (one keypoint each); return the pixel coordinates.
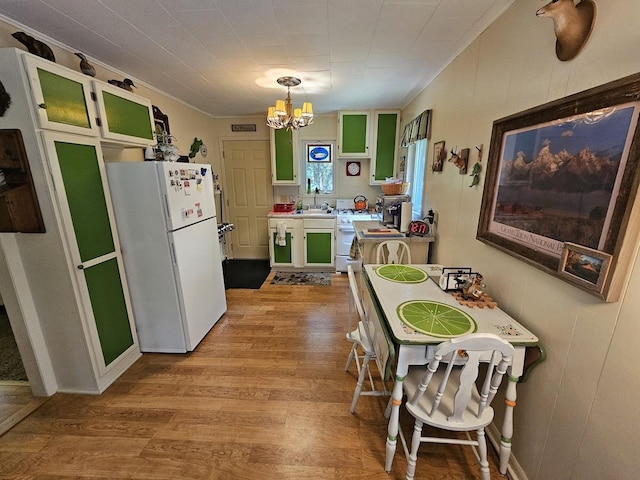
(224, 56)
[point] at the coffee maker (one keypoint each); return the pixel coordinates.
(389, 207)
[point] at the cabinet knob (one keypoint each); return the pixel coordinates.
(42, 105)
(80, 267)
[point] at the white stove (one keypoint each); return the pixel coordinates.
(346, 214)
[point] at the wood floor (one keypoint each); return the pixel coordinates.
(264, 397)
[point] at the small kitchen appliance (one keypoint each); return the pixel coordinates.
(388, 208)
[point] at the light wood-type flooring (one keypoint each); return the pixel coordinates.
(263, 397)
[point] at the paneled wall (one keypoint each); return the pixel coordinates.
(577, 415)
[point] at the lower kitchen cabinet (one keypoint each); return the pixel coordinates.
(319, 242)
(308, 242)
(287, 255)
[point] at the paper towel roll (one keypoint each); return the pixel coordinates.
(405, 216)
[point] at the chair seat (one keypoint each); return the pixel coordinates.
(360, 336)
(470, 420)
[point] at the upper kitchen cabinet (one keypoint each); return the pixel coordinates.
(284, 159)
(353, 134)
(124, 118)
(386, 124)
(61, 97)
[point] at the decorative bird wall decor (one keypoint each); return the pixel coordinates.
(5, 100)
(127, 84)
(34, 46)
(572, 24)
(195, 147)
(85, 66)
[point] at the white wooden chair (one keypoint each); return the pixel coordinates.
(361, 339)
(444, 393)
(393, 251)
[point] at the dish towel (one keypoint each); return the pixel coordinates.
(281, 234)
(353, 251)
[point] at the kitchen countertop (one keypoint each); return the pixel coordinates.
(361, 226)
(304, 214)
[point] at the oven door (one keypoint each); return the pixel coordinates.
(344, 238)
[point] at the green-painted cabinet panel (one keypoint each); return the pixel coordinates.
(61, 97)
(282, 253)
(125, 118)
(353, 134)
(83, 185)
(109, 309)
(386, 145)
(284, 161)
(77, 170)
(64, 99)
(319, 248)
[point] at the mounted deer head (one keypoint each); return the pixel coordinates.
(572, 24)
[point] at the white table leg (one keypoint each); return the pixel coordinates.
(394, 421)
(507, 425)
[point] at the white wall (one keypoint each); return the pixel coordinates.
(577, 415)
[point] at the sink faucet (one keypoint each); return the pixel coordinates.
(315, 193)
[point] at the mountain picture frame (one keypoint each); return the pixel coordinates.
(567, 172)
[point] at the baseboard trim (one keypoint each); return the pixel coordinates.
(514, 470)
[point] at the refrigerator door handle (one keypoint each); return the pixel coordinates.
(166, 206)
(174, 261)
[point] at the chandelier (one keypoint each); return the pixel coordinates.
(283, 115)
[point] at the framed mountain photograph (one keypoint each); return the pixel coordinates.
(566, 172)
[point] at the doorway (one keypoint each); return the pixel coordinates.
(11, 366)
(249, 196)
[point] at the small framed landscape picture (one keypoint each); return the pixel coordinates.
(584, 266)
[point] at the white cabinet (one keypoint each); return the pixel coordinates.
(123, 117)
(308, 242)
(319, 242)
(353, 134)
(73, 271)
(284, 157)
(61, 97)
(70, 102)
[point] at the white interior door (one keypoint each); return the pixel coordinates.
(249, 197)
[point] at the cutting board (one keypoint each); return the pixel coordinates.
(381, 233)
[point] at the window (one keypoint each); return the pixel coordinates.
(319, 166)
(416, 161)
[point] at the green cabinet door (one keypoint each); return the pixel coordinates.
(284, 166)
(319, 247)
(386, 146)
(77, 165)
(353, 134)
(125, 118)
(282, 253)
(62, 98)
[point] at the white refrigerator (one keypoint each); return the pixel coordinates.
(166, 219)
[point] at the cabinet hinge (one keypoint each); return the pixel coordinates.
(94, 97)
(98, 122)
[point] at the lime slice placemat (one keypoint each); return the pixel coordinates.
(436, 319)
(402, 273)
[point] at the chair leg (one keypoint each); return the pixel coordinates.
(363, 371)
(352, 353)
(413, 455)
(482, 453)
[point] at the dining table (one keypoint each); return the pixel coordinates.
(410, 314)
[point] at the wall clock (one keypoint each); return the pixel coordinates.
(353, 169)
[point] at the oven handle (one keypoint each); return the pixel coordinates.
(346, 229)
